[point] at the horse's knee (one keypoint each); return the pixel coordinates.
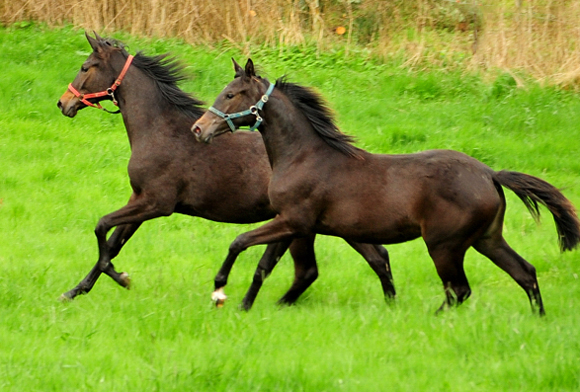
(238, 245)
(102, 228)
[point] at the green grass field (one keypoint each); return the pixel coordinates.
(58, 176)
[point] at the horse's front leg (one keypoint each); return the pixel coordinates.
(115, 243)
(117, 240)
(277, 230)
(127, 220)
(270, 258)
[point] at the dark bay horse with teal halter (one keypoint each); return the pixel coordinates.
(170, 172)
(322, 184)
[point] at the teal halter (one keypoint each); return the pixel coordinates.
(254, 110)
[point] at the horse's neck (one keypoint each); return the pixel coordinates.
(142, 112)
(287, 134)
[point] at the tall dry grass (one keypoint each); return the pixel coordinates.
(539, 37)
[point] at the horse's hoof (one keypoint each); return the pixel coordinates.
(219, 297)
(65, 297)
(125, 280)
(245, 306)
(390, 298)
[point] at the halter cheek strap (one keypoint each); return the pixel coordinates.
(108, 92)
(253, 110)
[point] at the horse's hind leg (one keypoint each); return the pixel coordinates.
(270, 258)
(378, 258)
(449, 263)
(117, 240)
(305, 268)
(498, 251)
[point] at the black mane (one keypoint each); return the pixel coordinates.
(320, 116)
(167, 72)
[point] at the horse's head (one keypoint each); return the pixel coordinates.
(237, 105)
(97, 77)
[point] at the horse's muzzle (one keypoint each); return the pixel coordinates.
(199, 134)
(68, 110)
(68, 104)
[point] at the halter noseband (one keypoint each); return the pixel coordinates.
(254, 110)
(108, 92)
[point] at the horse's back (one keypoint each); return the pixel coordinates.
(445, 177)
(393, 198)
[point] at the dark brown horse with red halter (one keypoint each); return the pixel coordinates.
(322, 184)
(170, 172)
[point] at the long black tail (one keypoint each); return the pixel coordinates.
(532, 190)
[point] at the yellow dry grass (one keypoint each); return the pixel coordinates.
(538, 37)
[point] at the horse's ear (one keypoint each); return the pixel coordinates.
(250, 72)
(239, 70)
(93, 42)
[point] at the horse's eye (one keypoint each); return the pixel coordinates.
(229, 96)
(84, 69)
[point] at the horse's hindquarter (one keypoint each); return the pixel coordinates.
(461, 198)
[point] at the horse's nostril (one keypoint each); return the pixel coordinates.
(59, 105)
(196, 129)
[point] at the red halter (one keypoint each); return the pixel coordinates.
(110, 91)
